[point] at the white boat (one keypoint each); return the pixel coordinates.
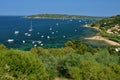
(50, 29)
(52, 32)
(42, 36)
(26, 34)
(10, 40)
(75, 30)
(56, 31)
(30, 27)
(41, 44)
(48, 37)
(35, 45)
(23, 41)
(16, 32)
(57, 24)
(33, 42)
(29, 35)
(64, 36)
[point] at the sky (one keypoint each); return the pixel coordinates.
(71, 7)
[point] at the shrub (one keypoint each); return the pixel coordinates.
(79, 46)
(2, 47)
(21, 65)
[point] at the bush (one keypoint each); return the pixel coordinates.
(2, 47)
(79, 46)
(20, 65)
(50, 63)
(92, 71)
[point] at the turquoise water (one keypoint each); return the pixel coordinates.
(45, 32)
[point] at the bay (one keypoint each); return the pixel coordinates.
(48, 33)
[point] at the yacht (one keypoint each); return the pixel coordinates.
(29, 35)
(16, 32)
(41, 44)
(48, 37)
(52, 32)
(35, 45)
(50, 29)
(23, 41)
(26, 34)
(64, 36)
(42, 36)
(10, 40)
(31, 27)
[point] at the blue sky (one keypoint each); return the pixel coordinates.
(74, 7)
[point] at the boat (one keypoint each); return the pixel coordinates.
(26, 34)
(16, 32)
(48, 37)
(33, 42)
(23, 41)
(42, 36)
(57, 24)
(75, 30)
(29, 35)
(10, 40)
(30, 27)
(35, 45)
(52, 32)
(41, 44)
(50, 29)
(64, 36)
(56, 31)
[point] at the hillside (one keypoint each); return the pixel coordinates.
(75, 61)
(109, 27)
(61, 16)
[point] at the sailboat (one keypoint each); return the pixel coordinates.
(31, 27)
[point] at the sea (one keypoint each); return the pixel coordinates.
(23, 33)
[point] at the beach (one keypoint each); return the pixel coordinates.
(100, 38)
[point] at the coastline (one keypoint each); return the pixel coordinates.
(96, 28)
(100, 38)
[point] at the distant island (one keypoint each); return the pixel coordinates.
(61, 16)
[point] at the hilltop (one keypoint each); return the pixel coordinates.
(61, 16)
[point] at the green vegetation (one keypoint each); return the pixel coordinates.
(110, 27)
(61, 16)
(75, 61)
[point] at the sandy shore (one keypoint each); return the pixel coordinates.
(100, 38)
(103, 39)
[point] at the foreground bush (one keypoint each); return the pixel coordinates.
(20, 65)
(92, 71)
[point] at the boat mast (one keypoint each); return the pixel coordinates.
(30, 27)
